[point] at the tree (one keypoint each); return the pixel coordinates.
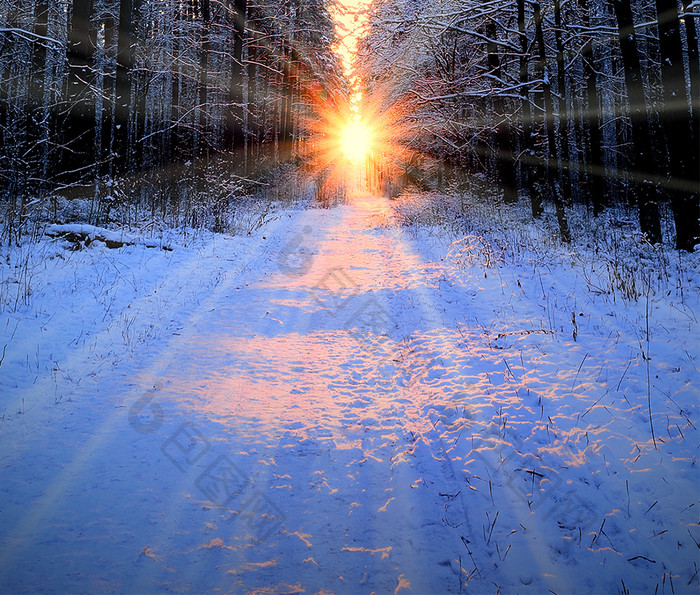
(237, 108)
(504, 151)
(79, 129)
(679, 127)
(641, 158)
(547, 109)
(124, 136)
(595, 166)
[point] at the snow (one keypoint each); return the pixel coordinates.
(376, 397)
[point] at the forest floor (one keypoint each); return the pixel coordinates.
(362, 399)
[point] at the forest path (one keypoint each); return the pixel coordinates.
(331, 415)
(303, 377)
(279, 440)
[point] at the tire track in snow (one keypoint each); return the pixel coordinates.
(18, 539)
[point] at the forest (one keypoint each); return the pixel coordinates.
(349, 296)
(171, 104)
(179, 105)
(592, 102)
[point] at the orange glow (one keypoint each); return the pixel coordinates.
(371, 137)
(351, 19)
(356, 140)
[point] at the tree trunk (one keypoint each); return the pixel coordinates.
(79, 127)
(203, 83)
(108, 117)
(505, 165)
(565, 161)
(641, 158)
(253, 115)
(236, 110)
(548, 115)
(526, 115)
(41, 92)
(691, 33)
(176, 82)
(595, 167)
(123, 107)
(678, 127)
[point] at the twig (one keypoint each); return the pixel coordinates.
(492, 526)
(511, 371)
(694, 575)
(573, 384)
(629, 363)
(594, 404)
(642, 557)
(466, 542)
(651, 421)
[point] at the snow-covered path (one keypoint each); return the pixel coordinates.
(320, 422)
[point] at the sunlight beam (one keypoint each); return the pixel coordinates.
(356, 141)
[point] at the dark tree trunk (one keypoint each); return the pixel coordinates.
(565, 163)
(79, 127)
(526, 170)
(253, 114)
(41, 94)
(41, 28)
(241, 10)
(678, 127)
(108, 119)
(548, 115)
(284, 132)
(641, 158)
(234, 137)
(287, 99)
(123, 107)
(694, 75)
(505, 164)
(691, 33)
(595, 168)
(175, 136)
(203, 83)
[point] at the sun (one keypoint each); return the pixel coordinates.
(356, 140)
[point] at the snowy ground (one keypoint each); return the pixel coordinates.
(348, 401)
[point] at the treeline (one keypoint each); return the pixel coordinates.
(591, 101)
(95, 90)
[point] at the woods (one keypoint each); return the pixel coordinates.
(592, 102)
(164, 96)
(349, 296)
(179, 104)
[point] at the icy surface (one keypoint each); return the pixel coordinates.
(340, 404)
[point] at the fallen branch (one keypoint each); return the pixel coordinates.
(83, 235)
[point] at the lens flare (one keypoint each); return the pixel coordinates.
(356, 141)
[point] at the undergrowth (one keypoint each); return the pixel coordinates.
(609, 251)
